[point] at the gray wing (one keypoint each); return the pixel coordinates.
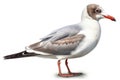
(60, 47)
(61, 33)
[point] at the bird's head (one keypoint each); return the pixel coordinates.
(94, 11)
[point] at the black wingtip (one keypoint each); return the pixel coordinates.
(20, 55)
(7, 57)
(17, 55)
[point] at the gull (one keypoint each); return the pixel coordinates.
(71, 41)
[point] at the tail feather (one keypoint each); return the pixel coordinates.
(20, 55)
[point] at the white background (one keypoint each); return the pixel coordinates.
(23, 22)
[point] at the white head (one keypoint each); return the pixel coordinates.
(94, 11)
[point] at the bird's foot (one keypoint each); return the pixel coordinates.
(70, 74)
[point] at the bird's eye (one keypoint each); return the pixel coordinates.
(98, 11)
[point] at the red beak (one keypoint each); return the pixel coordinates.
(109, 17)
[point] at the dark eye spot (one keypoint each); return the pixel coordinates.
(98, 11)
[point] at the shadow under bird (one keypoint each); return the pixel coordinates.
(71, 41)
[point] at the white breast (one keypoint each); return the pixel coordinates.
(91, 30)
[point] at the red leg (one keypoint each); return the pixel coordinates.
(60, 73)
(66, 63)
(69, 74)
(59, 68)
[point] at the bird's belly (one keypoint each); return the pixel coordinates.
(84, 48)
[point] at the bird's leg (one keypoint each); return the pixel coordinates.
(59, 68)
(60, 73)
(66, 63)
(69, 74)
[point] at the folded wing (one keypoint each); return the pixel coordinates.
(59, 47)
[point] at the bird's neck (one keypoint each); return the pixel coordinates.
(91, 29)
(90, 24)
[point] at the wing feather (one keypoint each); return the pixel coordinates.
(60, 47)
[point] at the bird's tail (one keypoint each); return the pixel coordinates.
(20, 55)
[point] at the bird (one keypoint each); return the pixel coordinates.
(71, 41)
